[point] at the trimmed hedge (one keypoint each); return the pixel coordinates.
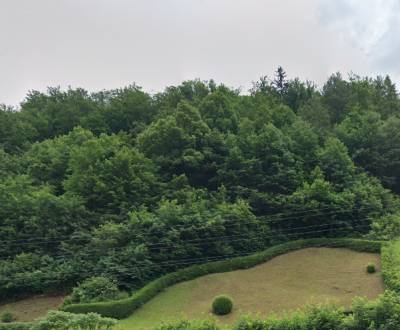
(390, 260)
(120, 309)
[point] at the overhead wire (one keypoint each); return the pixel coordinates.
(226, 223)
(178, 262)
(232, 238)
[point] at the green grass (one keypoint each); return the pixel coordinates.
(287, 282)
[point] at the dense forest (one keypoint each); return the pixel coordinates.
(130, 185)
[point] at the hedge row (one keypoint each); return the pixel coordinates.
(120, 309)
(390, 260)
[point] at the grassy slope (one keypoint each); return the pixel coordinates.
(32, 308)
(287, 282)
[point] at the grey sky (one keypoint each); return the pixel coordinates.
(99, 44)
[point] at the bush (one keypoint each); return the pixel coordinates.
(381, 314)
(31, 274)
(17, 326)
(95, 289)
(222, 305)
(7, 317)
(120, 309)
(314, 317)
(371, 268)
(68, 321)
(189, 325)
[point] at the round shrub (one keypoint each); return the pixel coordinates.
(94, 289)
(7, 317)
(222, 305)
(371, 268)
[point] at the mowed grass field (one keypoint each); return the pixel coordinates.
(32, 308)
(283, 284)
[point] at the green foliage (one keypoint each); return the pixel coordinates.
(180, 143)
(390, 259)
(95, 289)
(129, 185)
(16, 134)
(371, 142)
(47, 162)
(315, 317)
(8, 164)
(57, 320)
(299, 93)
(56, 112)
(29, 211)
(314, 113)
(6, 317)
(380, 314)
(386, 227)
(110, 176)
(30, 273)
(336, 97)
(371, 268)
(128, 109)
(336, 163)
(189, 325)
(17, 326)
(122, 308)
(218, 111)
(222, 305)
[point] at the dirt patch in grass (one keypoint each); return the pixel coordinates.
(31, 308)
(286, 283)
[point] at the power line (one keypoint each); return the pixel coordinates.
(205, 240)
(271, 217)
(233, 238)
(181, 262)
(209, 239)
(226, 223)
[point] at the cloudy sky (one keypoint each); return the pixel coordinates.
(102, 44)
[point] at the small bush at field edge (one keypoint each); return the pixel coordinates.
(6, 317)
(222, 305)
(371, 268)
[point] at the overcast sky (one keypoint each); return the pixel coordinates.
(102, 44)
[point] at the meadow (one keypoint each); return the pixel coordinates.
(283, 284)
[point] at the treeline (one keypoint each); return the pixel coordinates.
(129, 185)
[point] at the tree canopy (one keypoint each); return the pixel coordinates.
(128, 185)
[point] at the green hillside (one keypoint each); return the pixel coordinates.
(284, 284)
(102, 193)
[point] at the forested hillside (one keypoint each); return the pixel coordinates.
(131, 185)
